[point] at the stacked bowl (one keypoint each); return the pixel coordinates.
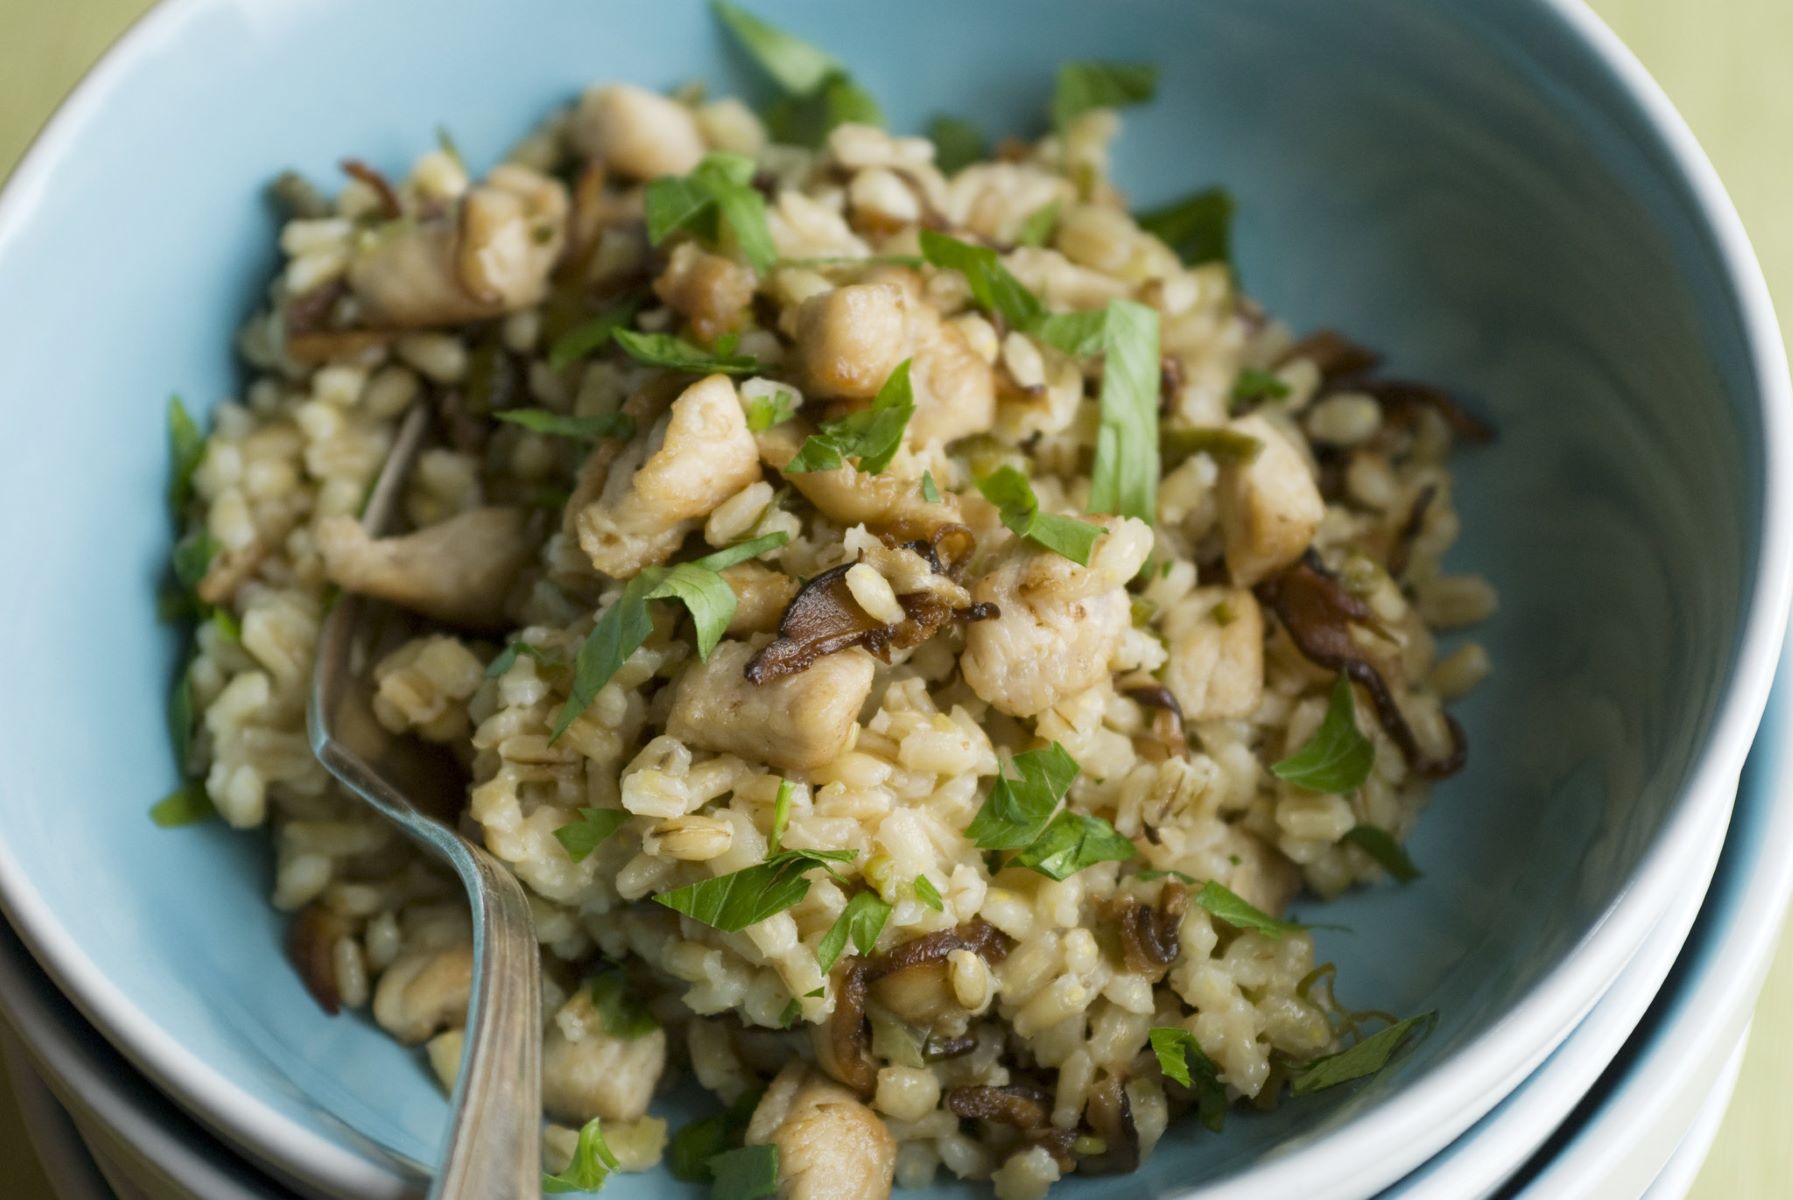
(1498, 193)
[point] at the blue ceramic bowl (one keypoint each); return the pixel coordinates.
(1493, 194)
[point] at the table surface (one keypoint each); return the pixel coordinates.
(1725, 66)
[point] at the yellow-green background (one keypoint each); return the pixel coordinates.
(1728, 64)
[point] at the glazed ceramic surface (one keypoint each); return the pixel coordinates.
(1491, 194)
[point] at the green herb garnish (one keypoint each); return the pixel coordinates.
(1254, 386)
(507, 658)
(928, 894)
(1365, 1058)
(591, 1164)
(1079, 334)
(675, 353)
(1198, 227)
(819, 93)
(193, 556)
(807, 120)
(590, 429)
(1084, 86)
(717, 195)
(871, 436)
(186, 446)
(781, 813)
(957, 143)
(1338, 757)
(625, 625)
(1153, 873)
(1226, 446)
(860, 922)
(693, 1146)
(929, 491)
(1072, 842)
(1013, 496)
(1380, 845)
(187, 805)
(1016, 810)
(750, 1173)
(992, 286)
(1124, 477)
(746, 897)
(763, 412)
(622, 1015)
(579, 838)
(1182, 1058)
(592, 334)
(1228, 906)
(1037, 229)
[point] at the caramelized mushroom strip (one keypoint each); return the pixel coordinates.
(1337, 357)
(823, 618)
(1167, 720)
(311, 948)
(1149, 942)
(1318, 613)
(843, 1044)
(1109, 1115)
(1402, 549)
(1401, 398)
(1021, 1107)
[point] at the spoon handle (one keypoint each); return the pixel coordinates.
(494, 1136)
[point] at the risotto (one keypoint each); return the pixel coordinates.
(912, 624)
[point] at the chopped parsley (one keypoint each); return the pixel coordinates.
(1153, 873)
(625, 625)
(1008, 489)
(1016, 810)
(192, 557)
(1037, 229)
(675, 353)
(746, 897)
(1227, 447)
(507, 658)
(1182, 1059)
(992, 286)
(1079, 334)
(592, 334)
(717, 196)
(579, 838)
(928, 894)
(1338, 757)
(818, 92)
(1365, 1058)
(750, 1173)
(871, 436)
(1226, 905)
(591, 1164)
(1254, 386)
(540, 420)
(1086, 86)
(763, 412)
(694, 1145)
(187, 805)
(186, 446)
(1389, 854)
(1198, 227)
(1124, 477)
(781, 813)
(957, 143)
(1072, 842)
(929, 490)
(860, 922)
(622, 1015)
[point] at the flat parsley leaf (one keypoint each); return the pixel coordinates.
(871, 436)
(1037, 229)
(1254, 386)
(992, 286)
(1078, 334)
(1072, 842)
(1124, 477)
(781, 813)
(1008, 489)
(929, 490)
(1380, 845)
(694, 1145)
(625, 625)
(1227, 905)
(507, 658)
(675, 353)
(592, 334)
(763, 412)
(796, 65)
(1085, 86)
(957, 143)
(717, 196)
(750, 1173)
(1182, 1058)
(928, 894)
(186, 806)
(1338, 757)
(591, 1164)
(861, 922)
(579, 838)
(1365, 1058)
(540, 420)
(1016, 810)
(1198, 227)
(746, 897)
(186, 446)
(622, 1015)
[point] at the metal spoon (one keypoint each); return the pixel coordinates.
(494, 1133)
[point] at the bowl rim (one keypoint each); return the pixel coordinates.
(1358, 1156)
